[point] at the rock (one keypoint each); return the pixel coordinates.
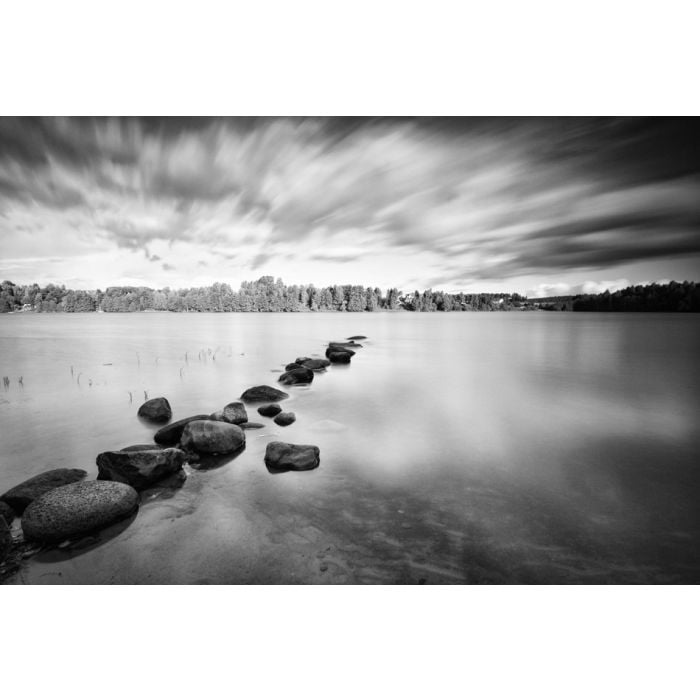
(357, 337)
(141, 468)
(23, 494)
(171, 434)
(283, 456)
(7, 512)
(301, 360)
(335, 349)
(139, 448)
(263, 393)
(209, 437)
(340, 358)
(156, 410)
(217, 415)
(344, 344)
(302, 375)
(250, 426)
(292, 365)
(235, 413)
(5, 540)
(270, 409)
(285, 418)
(78, 509)
(315, 365)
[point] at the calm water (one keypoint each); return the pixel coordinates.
(457, 448)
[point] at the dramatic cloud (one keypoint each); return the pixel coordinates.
(518, 204)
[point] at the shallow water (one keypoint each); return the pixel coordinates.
(456, 448)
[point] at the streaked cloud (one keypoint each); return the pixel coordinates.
(459, 204)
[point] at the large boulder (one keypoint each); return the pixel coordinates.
(171, 433)
(340, 358)
(157, 410)
(235, 413)
(263, 393)
(140, 468)
(336, 349)
(23, 494)
(212, 437)
(78, 509)
(302, 375)
(283, 456)
(270, 409)
(285, 418)
(6, 512)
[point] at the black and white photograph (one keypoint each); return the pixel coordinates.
(349, 351)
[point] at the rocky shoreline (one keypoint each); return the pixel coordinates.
(59, 507)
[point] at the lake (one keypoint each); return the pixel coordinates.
(456, 448)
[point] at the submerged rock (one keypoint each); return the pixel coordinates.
(23, 494)
(344, 344)
(340, 357)
(141, 468)
(171, 434)
(138, 448)
(302, 375)
(157, 410)
(284, 456)
(263, 393)
(270, 409)
(292, 365)
(250, 426)
(78, 509)
(209, 437)
(315, 364)
(6, 512)
(235, 413)
(285, 418)
(357, 337)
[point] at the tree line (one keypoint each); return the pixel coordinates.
(264, 294)
(268, 294)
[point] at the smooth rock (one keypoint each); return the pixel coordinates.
(263, 393)
(340, 357)
(78, 509)
(157, 410)
(285, 418)
(357, 337)
(284, 456)
(344, 344)
(171, 434)
(250, 426)
(336, 349)
(292, 365)
(302, 375)
(7, 512)
(140, 447)
(235, 413)
(301, 360)
(23, 494)
(139, 469)
(270, 409)
(315, 364)
(209, 437)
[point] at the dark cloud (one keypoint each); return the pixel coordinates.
(260, 259)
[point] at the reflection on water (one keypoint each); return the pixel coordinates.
(456, 448)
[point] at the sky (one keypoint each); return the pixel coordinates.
(535, 206)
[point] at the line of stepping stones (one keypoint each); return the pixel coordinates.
(58, 506)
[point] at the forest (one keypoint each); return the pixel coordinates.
(265, 294)
(268, 294)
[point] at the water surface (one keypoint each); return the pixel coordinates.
(457, 448)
